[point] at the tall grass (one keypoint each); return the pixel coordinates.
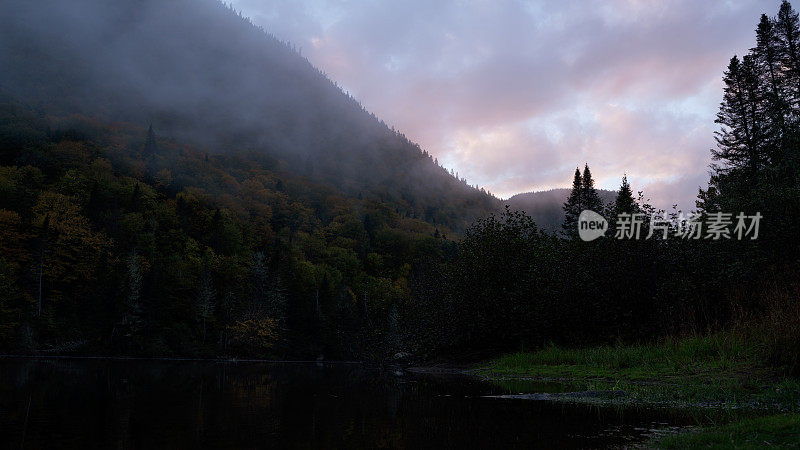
(770, 316)
(717, 351)
(764, 332)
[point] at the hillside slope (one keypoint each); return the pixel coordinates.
(113, 241)
(201, 73)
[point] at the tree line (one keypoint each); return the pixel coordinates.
(113, 241)
(510, 286)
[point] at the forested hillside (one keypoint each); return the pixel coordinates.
(201, 73)
(116, 241)
(266, 214)
(177, 181)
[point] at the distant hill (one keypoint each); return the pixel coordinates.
(546, 207)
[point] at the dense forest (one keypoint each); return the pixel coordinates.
(281, 218)
(511, 286)
(185, 208)
(115, 240)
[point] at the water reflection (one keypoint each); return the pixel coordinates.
(178, 404)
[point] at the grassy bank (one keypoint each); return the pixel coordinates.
(723, 373)
(691, 356)
(781, 430)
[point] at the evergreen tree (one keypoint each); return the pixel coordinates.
(624, 202)
(740, 141)
(767, 54)
(150, 146)
(788, 34)
(757, 168)
(769, 67)
(590, 198)
(573, 206)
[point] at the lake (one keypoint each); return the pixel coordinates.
(88, 403)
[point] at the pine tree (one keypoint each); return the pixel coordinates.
(787, 28)
(757, 140)
(740, 142)
(573, 206)
(590, 198)
(766, 55)
(624, 202)
(787, 34)
(150, 146)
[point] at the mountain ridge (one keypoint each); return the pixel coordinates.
(200, 72)
(546, 207)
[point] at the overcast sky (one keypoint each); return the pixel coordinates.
(514, 94)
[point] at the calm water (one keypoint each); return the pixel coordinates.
(182, 404)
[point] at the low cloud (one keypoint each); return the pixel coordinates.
(513, 95)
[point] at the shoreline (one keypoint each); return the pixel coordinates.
(742, 402)
(177, 359)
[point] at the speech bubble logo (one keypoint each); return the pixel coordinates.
(591, 225)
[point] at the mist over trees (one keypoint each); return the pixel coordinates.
(175, 181)
(208, 255)
(201, 73)
(546, 208)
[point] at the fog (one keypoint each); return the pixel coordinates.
(194, 69)
(203, 74)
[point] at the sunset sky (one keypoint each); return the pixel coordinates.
(513, 95)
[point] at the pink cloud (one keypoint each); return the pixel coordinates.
(514, 95)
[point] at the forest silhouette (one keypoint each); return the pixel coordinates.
(196, 187)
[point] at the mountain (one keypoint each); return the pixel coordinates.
(203, 74)
(546, 207)
(176, 181)
(116, 241)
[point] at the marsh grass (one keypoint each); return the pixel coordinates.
(741, 382)
(764, 334)
(724, 371)
(770, 316)
(718, 352)
(782, 430)
(724, 380)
